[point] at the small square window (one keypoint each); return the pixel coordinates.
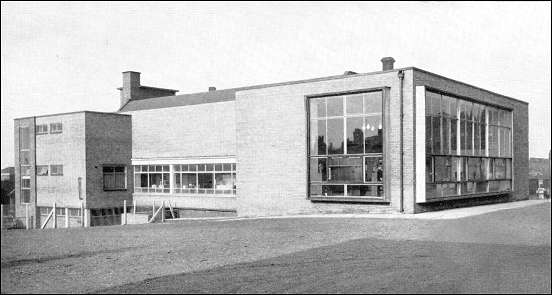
(42, 170)
(56, 170)
(56, 127)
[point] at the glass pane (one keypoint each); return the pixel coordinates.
(224, 181)
(429, 170)
(25, 183)
(453, 107)
(25, 158)
(354, 103)
(205, 180)
(155, 180)
(188, 181)
(318, 107)
(429, 133)
(436, 126)
(335, 136)
(445, 105)
(177, 183)
(24, 138)
(335, 106)
(25, 170)
(364, 190)
(25, 196)
(227, 167)
(435, 103)
(454, 169)
(318, 137)
(500, 168)
(316, 190)
(446, 135)
(209, 167)
(477, 140)
(483, 140)
(201, 167)
(373, 133)
(42, 170)
(345, 169)
(318, 169)
(474, 168)
(453, 139)
(469, 138)
(373, 102)
(442, 168)
(218, 167)
(355, 136)
(333, 190)
(373, 169)
(192, 167)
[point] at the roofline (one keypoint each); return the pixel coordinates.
(70, 113)
(466, 84)
(156, 88)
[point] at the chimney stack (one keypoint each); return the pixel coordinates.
(387, 63)
(131, 85)
(212, 88)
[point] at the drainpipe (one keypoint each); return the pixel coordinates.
(401, 80)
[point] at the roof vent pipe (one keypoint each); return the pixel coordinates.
(387, 63)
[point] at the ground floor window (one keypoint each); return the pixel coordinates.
(214, 178)
(152, 178)
(347, 176)
(205, 178)
(449, 176)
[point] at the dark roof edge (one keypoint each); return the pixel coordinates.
(157, 88)
(466, 84)
(70, 113)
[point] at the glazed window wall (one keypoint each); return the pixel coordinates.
(468, 147)
(210, 178)
(346, 145)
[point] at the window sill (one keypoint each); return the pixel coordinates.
(466, 196)
(351, 199)
(186, 195)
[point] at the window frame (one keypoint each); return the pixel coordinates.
(54, 129)
(383, 198)
(114, 175)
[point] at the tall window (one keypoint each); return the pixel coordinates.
(346, 145)
(25, 164)
(152, 178)
(114, 177)
(468, 147)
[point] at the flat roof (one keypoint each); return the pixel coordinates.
(70, 113)
(230, 94)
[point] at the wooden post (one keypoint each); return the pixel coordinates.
(2, 216)
(124, 219)
(26, 215)
(163, 211)
(66, 217)
(55, 215)
(82, 214)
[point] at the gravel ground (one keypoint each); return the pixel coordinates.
(503, 251)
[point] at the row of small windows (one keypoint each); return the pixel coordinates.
(212, 178)
(54, 128)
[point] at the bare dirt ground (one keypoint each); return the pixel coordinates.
(503, 251)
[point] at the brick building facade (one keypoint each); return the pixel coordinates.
(395, 140)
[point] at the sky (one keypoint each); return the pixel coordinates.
(64, 57)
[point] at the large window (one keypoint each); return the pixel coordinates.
(346, 145)
(213, 178)
(114, 177)
(152, 178)
(56, 127)
(468, 147)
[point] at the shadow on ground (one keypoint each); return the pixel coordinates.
(372, 266)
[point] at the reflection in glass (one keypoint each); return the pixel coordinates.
(355, 135)
(335, 136)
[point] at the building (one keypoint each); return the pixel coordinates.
(75, 160)
(539, 175)
(395, 140)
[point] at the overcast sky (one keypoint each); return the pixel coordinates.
(62, 57)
